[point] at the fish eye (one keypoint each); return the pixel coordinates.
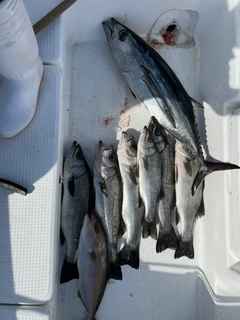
(96, 228)
(157, 132)
(123, 35)
(112, 157)
(149, 139)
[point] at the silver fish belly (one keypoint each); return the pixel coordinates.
(189, 207)
(93, 266)
(131, 213)
(150, 172)
(108, 200)
(77, 188)
(167, 237)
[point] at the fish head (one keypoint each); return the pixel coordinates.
(129, 144)
(105, 162)
(145, 143)
(123, 45)
(75, 157)
(158, 134)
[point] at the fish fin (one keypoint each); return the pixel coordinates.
(131, 176)
(71, 186)
(161, 195)
(149, 229)
(196, 104)
(129, 256)
(69, 272)
(209, 167)
(201, 209)
(145, 162)
(167, 240)
(177, 216)
(62, 237)
(103, 187)
(188, 167)
(153, 87)
(185, 248)
(132, 93)
(116, 271)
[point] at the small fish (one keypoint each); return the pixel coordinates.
(93, 266)
(167, 237)
(131, 213)
(77, 188)
(189, 207)
(150, 173)
(108, 200)
(157, 87)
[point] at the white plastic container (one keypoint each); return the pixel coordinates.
(94, 103)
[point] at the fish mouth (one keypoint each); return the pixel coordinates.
(73, 149)
(107, 29)
(128, 138)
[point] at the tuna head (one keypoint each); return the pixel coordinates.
(123, 45)
(92, 233)
(146, 144)
(75, 159)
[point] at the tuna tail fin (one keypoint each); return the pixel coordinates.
(185, 248)
(149, 229)
(69, 272)
(167, 240)
(209, 167)
(129, 256)
(116, 271)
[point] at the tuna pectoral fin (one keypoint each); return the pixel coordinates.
(209, 167)
(69, 272)
(149, 229)
(116, 271)
(129, 256)
(185, 248)
(167, 240)
(153, 87)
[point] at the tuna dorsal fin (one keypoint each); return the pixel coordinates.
(152, 85)
(71, 186)
(131, 176)
(103, 187)
(145, 162)
(188, 167)
(196, 104)
(209, 167)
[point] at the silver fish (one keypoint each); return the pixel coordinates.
(77, 187)
(93, 266)
(149, 166)
(156, 86)
(131, 213)
(108, 200)
(167, 237)
(189, 207)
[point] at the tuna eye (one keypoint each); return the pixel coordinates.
(123, 35)
(112, 157)
(96, 228)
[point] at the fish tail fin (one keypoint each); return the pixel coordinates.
(209, 167)
(69, 272)
(129, 256)
(149, 229)
(185, 248)
(167, 240)
(116, 271)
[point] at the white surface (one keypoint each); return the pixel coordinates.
(206, 288)
(29, 224)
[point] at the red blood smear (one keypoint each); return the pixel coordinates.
(122, 113)
(107, 120)
(169, 39)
